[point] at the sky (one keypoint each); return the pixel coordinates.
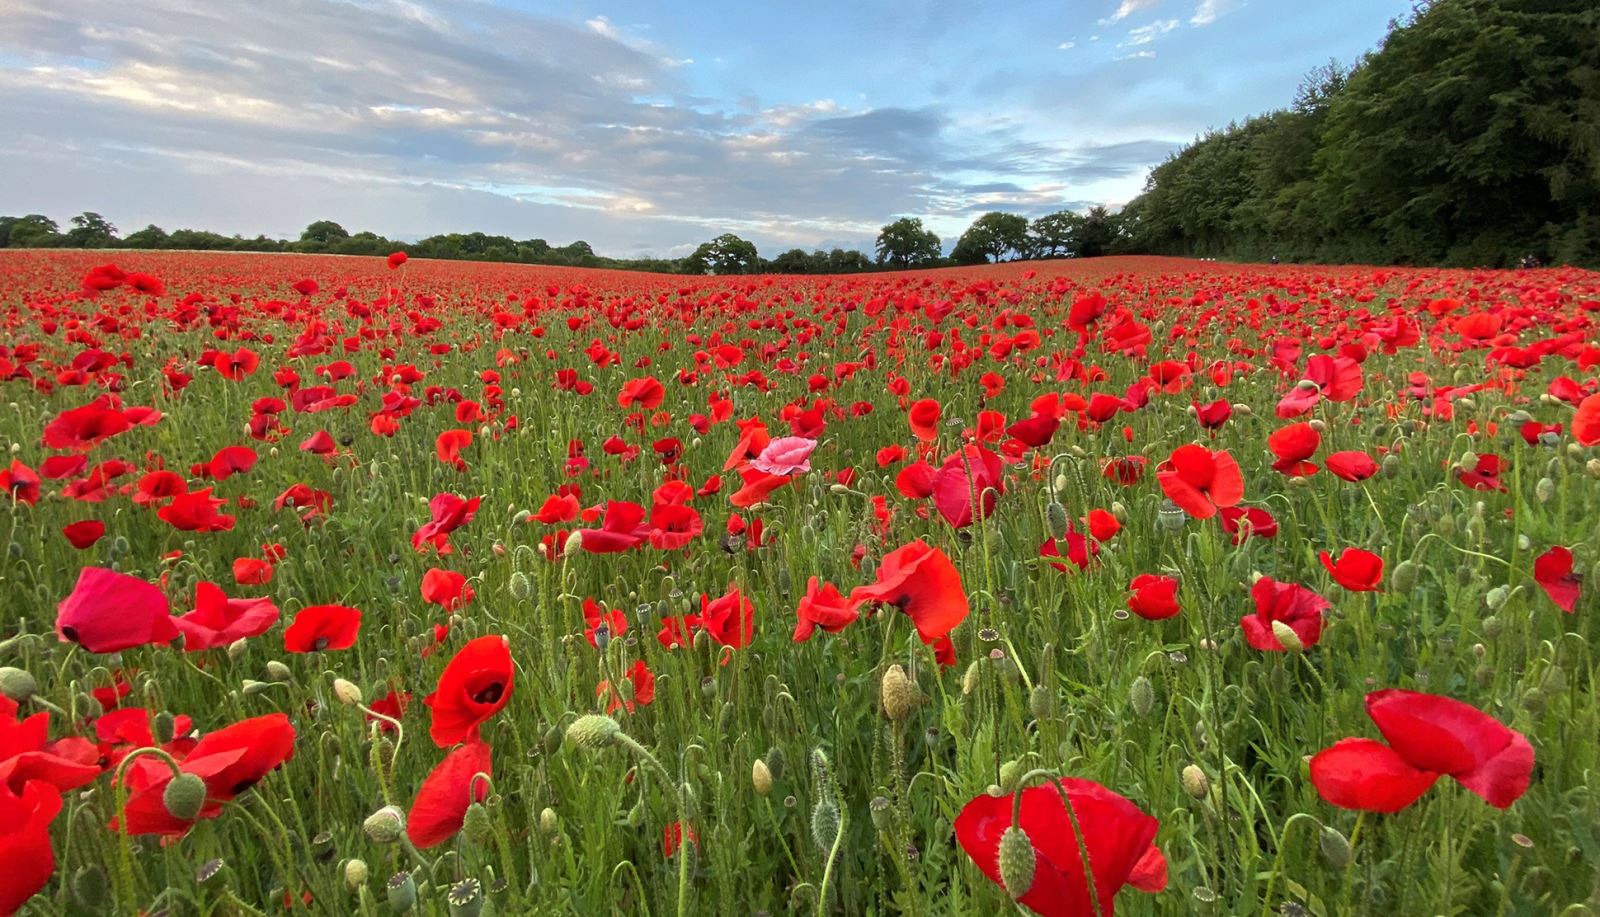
(638, 126)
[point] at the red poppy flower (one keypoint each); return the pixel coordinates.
(1201, 481)
(85, 533)
(322, 627)
(230, 760)
(921, 581)
(1351, 466)
(596, 616)
(449, 789)
(218, 620)
(448, 512)
(231, 460)
(196, 512)
(1213, 415)
(251, 571)
(729, 618)
(645, 394)
(319, 443)
(1155, 597)
(396, 259)
(1552, 570)
(924, 419)
(622, 529)
(1296, 606)
(476, 683)
(673, 526)
(108, 612)
(25, 842)
(27, 755)
(822, 606)
(1081, 551)
(1356, 570)
(558, 508)
(1246, 522)
(446, 588)
(1126, 470)
(915, 481)
(643, 682)
(448, 447)
(1293, 445)
(1586, 423)
(1485, 475)
(967, 486)
(84, 428)
(1429, 736)
(20, 483)
(1116, 834)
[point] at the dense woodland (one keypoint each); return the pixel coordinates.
(1470, 136)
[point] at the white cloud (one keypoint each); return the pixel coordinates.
(1146, 34)
(1066, 46)
(602, 26)
(1127, 8)
(1209, 10)
(1137, 55)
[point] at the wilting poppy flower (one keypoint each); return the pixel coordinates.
(919, 580)
(1356, 570)
(108, 612)
(1297, 607)
(786, 455)
(1552, 570)
(218, 620)
(449, 789)
(822, 606)
(446, 588)
(1429, 736)
(475, 684)
(85, 533)
(322, 627)
(1351, 466)
(25, 818)
(1118, 837)
(643, 682)
(448, 512)
(1201, 481)
(1154, 597)
(924, 418)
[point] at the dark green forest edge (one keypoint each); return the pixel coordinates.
(1469, 137)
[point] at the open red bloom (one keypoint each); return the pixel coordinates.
(1352, 465)
(1155, 597)
(448, 512)
(25, 842)
(1292, 446)
(597, 616)
(230, 760)
(729, 619)
(924, 419)
(1552, 570)
(1118, 836)
(20, 483)
(1429, 736)
(396, 259)
(1356, 570)
(85, 533)
(446, 588)
(1586, 423)
(448, 447)
(1296, 606)
(86, 427)
(673, 526)
(622, 529)
(196, 512)
(921, 581)
(322, 627)
(644, 393)
(218, 620)
(643, 683)
(1246, 522)
(108, 612)
(1201, 481)
(823, 606)
(1485, 475)
(967, 486)
(475, 684)
(27, 755)
(449, 789)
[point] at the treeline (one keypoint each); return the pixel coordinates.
(1470, 136)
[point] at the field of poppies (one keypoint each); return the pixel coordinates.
(343, 586)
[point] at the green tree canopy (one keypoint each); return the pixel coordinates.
(992, 237)
(726, 254)
(906, 243)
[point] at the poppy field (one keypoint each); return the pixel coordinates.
(346, 585)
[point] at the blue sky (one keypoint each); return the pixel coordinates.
(640, 127)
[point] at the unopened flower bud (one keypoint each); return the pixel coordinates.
(824, 824)
(1195, 782)
(184, 796)
(1335, 848)
(1141, 696)
(1056, 517)
(17, 684)
(347, 692)
(162, 727)
(548, 820)
(277, 671)
(1287, 637)
(593, 731)
(89, 886)
(900, 694)
(385, 825)
(475, 825)
(355, 874)
(1404, 578)
(1017, 861)
(761, 777)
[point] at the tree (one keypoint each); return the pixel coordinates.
(151, 236)
(90, 230)
(796, 261)
(1050, 236)
(324, 232)
(905, 243)
(1096, 233)
(726, 254)
(993, 236)
(32, 231)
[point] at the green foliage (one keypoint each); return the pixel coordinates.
(1471, 136)
(906, 243)
(726, 254)
(992, 237)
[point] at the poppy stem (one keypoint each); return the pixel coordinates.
(125, 849)
(1277, 859)
(645, 755)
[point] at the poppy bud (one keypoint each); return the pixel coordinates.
(1483, 675)
(465, 898)
(1534, 701)
(385, 825)
(1042, 701)
(277, 671)
(347, 692)
(1404, 578)
(252, 688)
(1544, 490)
(475, 824)
(1319, 425)
(402, 892)
(89, 886)
(1497, 597)
(900, 694)
(1335, 848)
(882, 817)
(162, 727)
(635, 816)
(774, 761)
(355, 874)
(1142, 696)
(1056, 515)
(237, 648)
(1592, 468)
(548, 820)
(1017, 861)
(573, 545)
(1306, 385)
(593, 731)
(1059, 485)
(1469, 459)
(17, 684)
(969, 678)
(761, 777)
(1195, 782)
(1287, 637)
(825, 824)
(184, 796)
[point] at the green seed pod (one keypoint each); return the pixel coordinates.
(475, 825)
(385, 826)
(89, 886)
(402, 893)
(593, 731)
(882, 815)
(465, 898)
(184, 796)
(17, 684)
(1142, 696)
(824, 824)
(1335, 848)
(1017, 862)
